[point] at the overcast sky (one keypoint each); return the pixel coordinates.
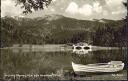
(80, 9)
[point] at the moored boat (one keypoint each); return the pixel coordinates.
(81, 48)
(113, 66)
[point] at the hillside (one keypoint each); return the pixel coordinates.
(57, 29)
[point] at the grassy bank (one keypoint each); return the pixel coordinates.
(70, 76)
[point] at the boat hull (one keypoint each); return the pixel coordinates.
(78, 68)
(93, 73)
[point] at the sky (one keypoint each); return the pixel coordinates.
(79, 9)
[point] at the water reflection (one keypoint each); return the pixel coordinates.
(81, 51)
(52, 62)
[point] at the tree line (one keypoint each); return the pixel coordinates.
(62, 31)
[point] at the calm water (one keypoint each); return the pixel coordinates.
(22, 62)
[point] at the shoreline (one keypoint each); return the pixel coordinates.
(113, 76)
(48, 46)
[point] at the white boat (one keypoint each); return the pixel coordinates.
(113, 66)
(81, 48)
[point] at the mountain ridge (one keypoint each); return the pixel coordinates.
(57, 16)
(61, 30)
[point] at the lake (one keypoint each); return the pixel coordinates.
(19, 61)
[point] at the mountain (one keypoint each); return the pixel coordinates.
(57, 29)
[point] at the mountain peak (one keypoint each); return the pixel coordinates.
(52, 17)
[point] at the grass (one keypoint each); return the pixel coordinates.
(70, 76)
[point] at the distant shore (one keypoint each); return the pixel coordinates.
(52, 48)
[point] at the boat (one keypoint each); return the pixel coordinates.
(113, 66)
(81, 48)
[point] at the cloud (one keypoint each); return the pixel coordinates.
(97, 8)
(118, 12)
(114, 2)
(85, 10)
(54, 0)
(80, 9)
(116, 7)
(52, 9)
(8, 8)
(105, 12)
(72, 8)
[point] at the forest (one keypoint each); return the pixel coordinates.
(57, 29)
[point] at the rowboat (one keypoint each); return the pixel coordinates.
(113, 66)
